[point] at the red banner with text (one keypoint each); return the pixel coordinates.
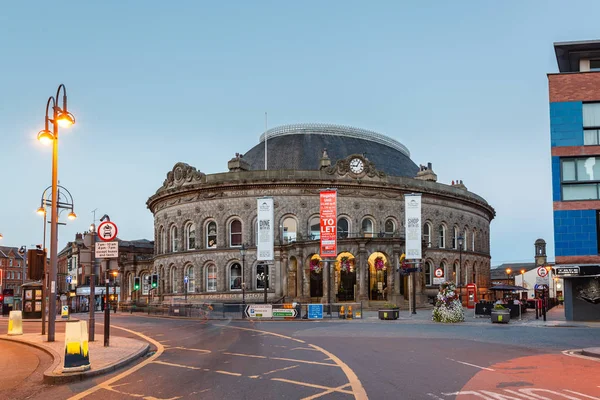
(328, 223)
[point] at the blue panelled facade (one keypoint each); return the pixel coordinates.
(566, 123)
(575, 232)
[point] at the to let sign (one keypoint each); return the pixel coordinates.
(328, 218)
(107, 249)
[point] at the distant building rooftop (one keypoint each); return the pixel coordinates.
(569, 54)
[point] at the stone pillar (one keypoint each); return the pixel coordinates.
(361, 270)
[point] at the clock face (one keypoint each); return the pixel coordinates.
(356, 165)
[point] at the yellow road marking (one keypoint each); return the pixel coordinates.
(303, 348)
(243, 355)
(107, 384)
(280, 369)
(228, 373)
(357, 387)
(187, 348)
(326, 392)
(176, 365)
(312, 385)
(305, 361)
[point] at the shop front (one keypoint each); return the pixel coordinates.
(581, 291)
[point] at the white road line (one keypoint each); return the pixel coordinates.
(243, 355)
(575, 353)
(434, 396)
(228, 373)
(581, 394)
(281, 369)
(304, 348)
(187, 348)
(471, 365)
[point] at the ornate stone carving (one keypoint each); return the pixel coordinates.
(303, 204)
(197, 210)
(356, 205)
(181, 174)
(247, 205)
(179, 213)
(221, 207)
(342, 167)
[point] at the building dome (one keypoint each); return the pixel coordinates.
(300, 147)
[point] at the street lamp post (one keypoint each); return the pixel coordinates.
(62, 117)
(243, 254)
(508, 271)
(63, 201)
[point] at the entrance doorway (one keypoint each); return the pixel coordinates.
(345, 276)
(378, 269)
(316, 276)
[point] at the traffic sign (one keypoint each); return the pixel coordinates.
(107, 231)
(259, 311)
(64, 312)
(107, 250)
(439, 273)
(285, 312)
(186, 279)
(542, 272)
(315, 311)
(69, 278)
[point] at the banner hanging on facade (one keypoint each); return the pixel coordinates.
(328, 223)
(412, 214)
(264, 246)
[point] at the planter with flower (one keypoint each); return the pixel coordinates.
(379, 264)
(500, 314)
(347, 264)
(389, 311)
(448, 307)
(315, 266)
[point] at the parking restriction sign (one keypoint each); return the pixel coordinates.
(107, 231)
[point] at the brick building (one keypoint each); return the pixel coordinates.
(574, 94)
(201, 222)
(11, 268)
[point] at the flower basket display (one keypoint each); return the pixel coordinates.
(448, 308)
(379, 264)
(315, 266)
(389, 312)
(347, 264)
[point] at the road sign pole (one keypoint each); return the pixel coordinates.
(106, 309)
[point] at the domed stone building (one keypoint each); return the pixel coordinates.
(206, 225)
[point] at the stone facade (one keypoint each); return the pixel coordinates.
(189, 198)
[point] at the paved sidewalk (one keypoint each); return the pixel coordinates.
(103, 360)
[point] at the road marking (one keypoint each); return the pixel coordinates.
(312, 385)
(177, 365)
(187, 348)
(243, 355)
(471, 365)
(107, 384)
(228, 373)
(575, 353)
(304, 361)
(303, 348)
(434, 396)
(280, 369)
(326, 392)
(265, 332)
(357, 388)
(581, 394)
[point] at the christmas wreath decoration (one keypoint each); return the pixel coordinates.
(315, 266)
(347, 264)
(379, 264)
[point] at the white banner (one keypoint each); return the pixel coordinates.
(264, 246)
(412, 214)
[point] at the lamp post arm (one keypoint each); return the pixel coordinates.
(50, 99)
(64, 109)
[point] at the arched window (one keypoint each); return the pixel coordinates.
(315, 228)
(473, 239)
(442, 233)
(163, 240)
(211, 278)
(474, 274)
(191, 285)
(427, 233)
(235, 281)
(390, 227)
(173, 278)
(159, 242)
(211, 235)
(174, 238)
(290, 228)
(456, 273)
(262, 275)
(428, 273)
(235, 232)
(342, 228)
(367, 227)
(466, 240)
(455, 238)
(130, 286)
(190, 236)
(145, 284)
(443, 267)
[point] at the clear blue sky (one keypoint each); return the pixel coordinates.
(462, 84)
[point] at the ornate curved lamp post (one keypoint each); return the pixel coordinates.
(64, 201)
(60, 117)
(460, 247)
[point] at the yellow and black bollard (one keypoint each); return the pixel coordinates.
(77, 357)
(349, 312)
(342, 312)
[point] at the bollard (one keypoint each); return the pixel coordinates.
(77, 357)
(349, 312)
(342, 313)
(15, 323)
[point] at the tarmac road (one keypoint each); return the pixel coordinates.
(346, 359)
